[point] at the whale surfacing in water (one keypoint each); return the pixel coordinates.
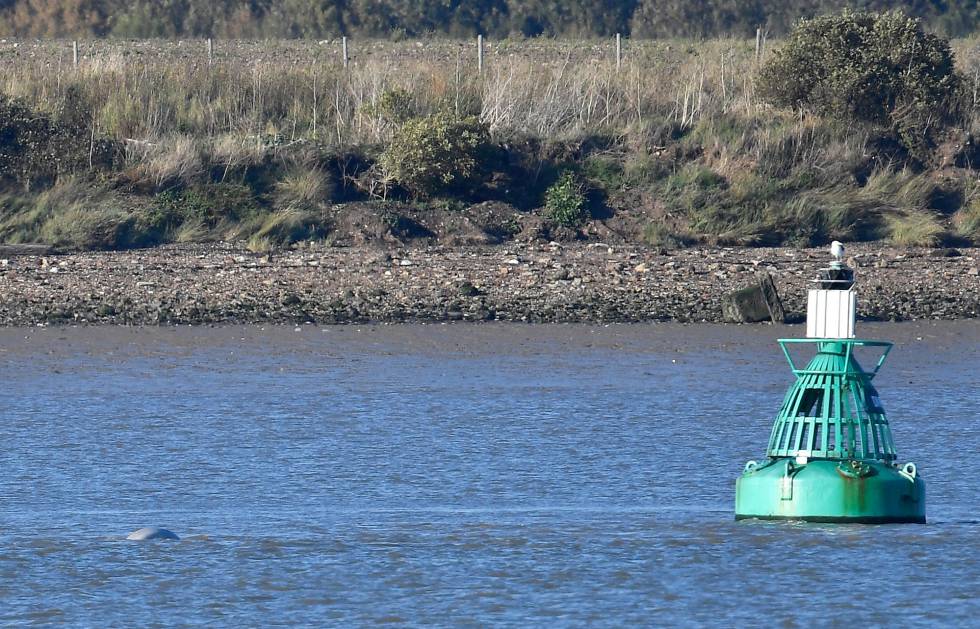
(151, 532)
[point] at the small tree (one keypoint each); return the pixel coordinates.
(437, 154)
(565, 201)
(881, 69)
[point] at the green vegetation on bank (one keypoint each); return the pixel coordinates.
(877, 69)
(689, 142)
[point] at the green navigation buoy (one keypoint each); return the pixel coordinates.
(831, 457)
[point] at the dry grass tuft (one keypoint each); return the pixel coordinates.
(233, 151)
(967, 222)
(175, 159)
(104, 227)
(289, 225)
(191, 231)
(304, 187)
(902, 189)
(913, 229)
(658, 235)
(259, 244)
(47, 217)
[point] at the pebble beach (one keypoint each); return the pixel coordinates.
(532, 282)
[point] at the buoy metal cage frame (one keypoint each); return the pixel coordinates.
(833, 411)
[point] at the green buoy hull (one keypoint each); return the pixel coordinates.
(831, 456)
(868, 492)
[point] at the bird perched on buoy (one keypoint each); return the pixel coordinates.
(837, 250)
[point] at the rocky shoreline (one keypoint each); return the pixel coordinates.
(536, 282)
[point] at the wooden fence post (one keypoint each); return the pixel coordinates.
(344, 52)
(210, 51)
(74, 53)
(619, 52)
(479, 53)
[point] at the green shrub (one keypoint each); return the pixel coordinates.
(565, 201)
(438, 154)
(173, 207)
(396, 105)
(208, 204)
(875, 68)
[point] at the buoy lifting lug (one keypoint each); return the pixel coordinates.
(908, 471)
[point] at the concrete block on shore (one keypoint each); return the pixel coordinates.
(754, 303)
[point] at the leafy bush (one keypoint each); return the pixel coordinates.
(881, 69)
(565, 201)
(396, 105)
(438, 154)
(208, 204)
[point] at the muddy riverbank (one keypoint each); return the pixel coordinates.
(538, 282)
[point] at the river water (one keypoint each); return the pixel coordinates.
(458, 475)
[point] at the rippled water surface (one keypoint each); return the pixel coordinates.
(457, 475)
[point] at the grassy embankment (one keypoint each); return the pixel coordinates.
(145, 143)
